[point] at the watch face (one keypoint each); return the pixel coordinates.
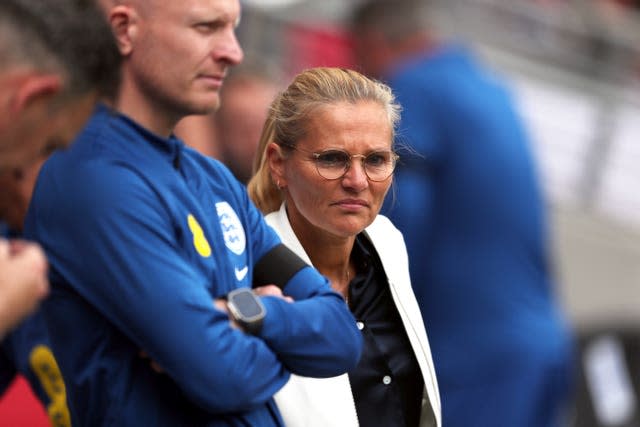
(247, 305)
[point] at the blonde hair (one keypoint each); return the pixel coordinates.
(289, 112)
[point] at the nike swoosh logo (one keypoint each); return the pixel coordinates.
(242, 273)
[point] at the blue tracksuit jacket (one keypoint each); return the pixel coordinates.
(142, 233)
(473, 217)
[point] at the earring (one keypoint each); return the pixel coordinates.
(278, 184)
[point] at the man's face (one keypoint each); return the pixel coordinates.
(39, 129)
(180, 55)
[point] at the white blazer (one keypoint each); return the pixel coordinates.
(328, 402)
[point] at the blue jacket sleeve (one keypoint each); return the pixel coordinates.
(316, 336)
(114, 243)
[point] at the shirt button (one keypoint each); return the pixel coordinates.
(360, 325)
(386, 380)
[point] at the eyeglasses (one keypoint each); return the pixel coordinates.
(333, 164)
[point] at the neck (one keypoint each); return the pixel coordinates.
(144, 111)
(340, 272)
(332, 257)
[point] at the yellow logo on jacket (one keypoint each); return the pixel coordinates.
(199, 240)
(46, 368)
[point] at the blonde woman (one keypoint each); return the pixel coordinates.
(324, 165)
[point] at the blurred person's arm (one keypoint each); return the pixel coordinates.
(23, 281)
(316, 335)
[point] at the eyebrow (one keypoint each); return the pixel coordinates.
(211, 16)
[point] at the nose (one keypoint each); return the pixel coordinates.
(356, 177)
(229, 50)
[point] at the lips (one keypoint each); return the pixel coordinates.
(214, 80)
(353, 203)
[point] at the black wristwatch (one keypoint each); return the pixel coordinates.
(246, 308)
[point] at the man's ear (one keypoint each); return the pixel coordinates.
(123, 20)
(34, 88)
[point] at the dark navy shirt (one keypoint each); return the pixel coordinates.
(387, 384)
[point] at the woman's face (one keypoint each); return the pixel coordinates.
(345, 206)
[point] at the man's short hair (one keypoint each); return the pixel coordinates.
(71, 37)
(393, 18)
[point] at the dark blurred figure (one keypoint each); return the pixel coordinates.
(245, 101)
(472, 213)
(26, 350)
(56, 58)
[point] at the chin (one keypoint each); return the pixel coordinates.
(204, 105)
(205, 109)
(350, 231)
(212, 101)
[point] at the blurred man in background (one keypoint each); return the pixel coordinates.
(473, 216)
(56, 58)
(246, 97)
(26, 350)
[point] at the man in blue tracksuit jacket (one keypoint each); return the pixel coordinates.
(145, 235)
(142, 234)
(473, 216)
